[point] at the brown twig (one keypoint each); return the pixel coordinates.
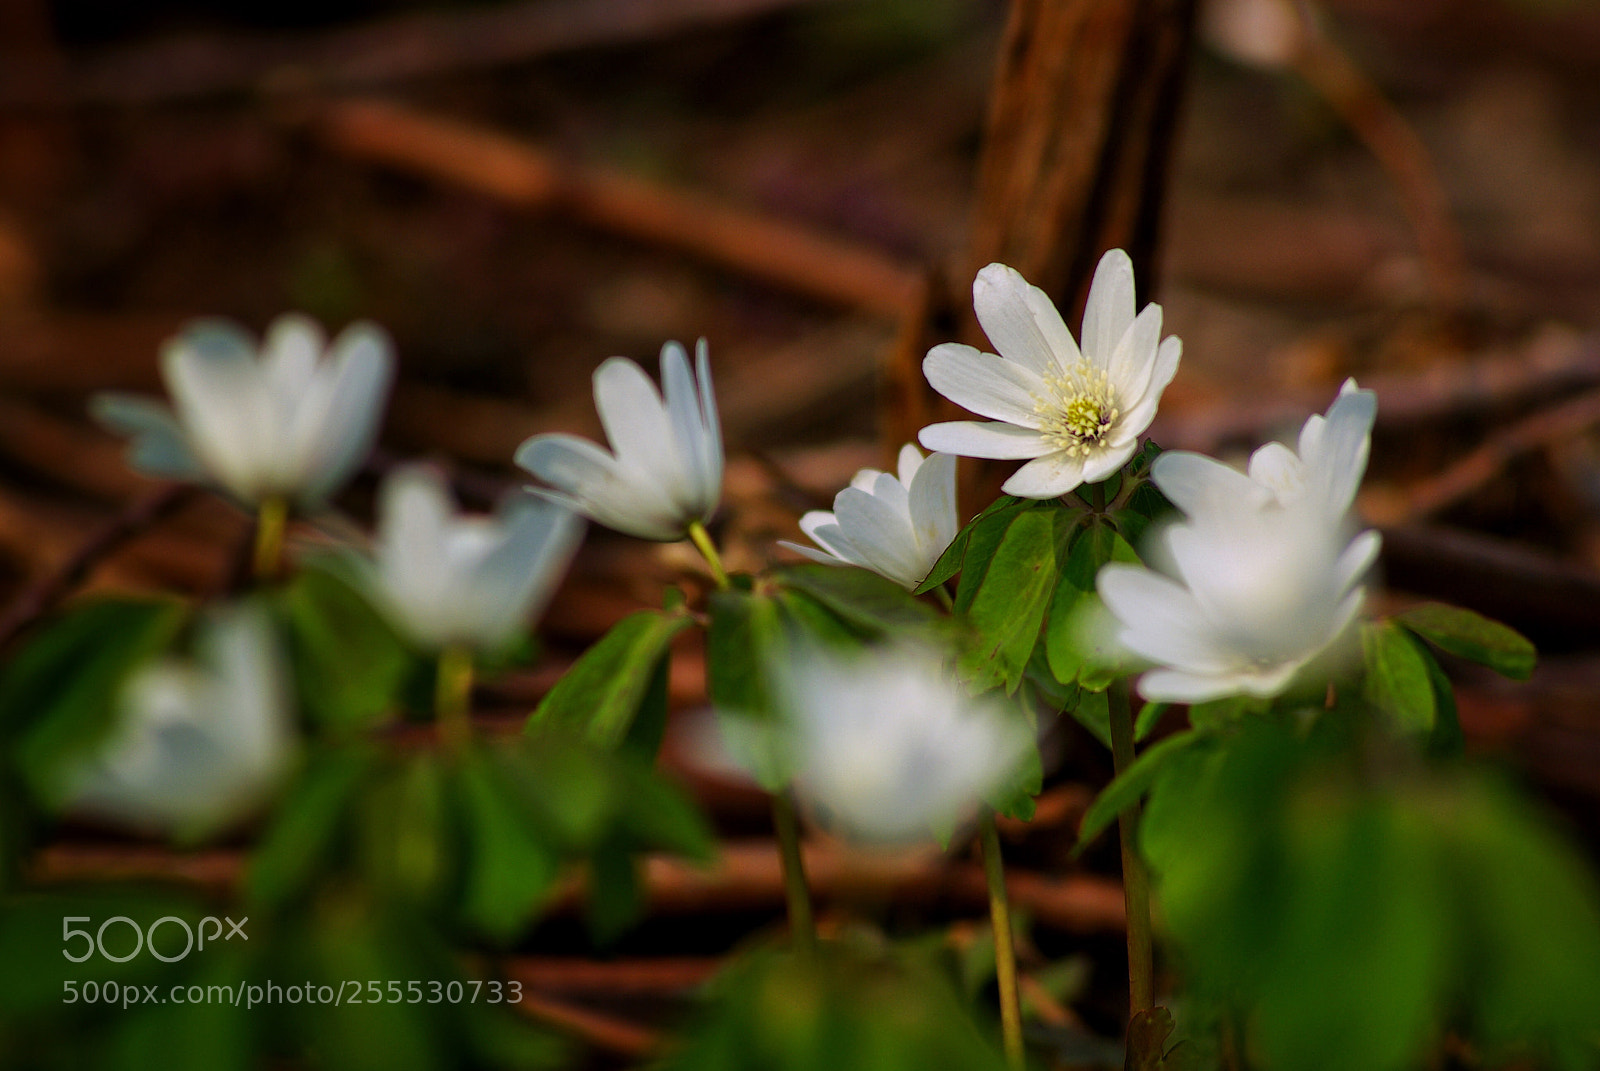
(409, 46)
(653, 976)
(44, 593)
(604, 1032)
(1428, 497)
(775, 250)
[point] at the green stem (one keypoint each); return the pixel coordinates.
(944, 598)
(802, 926)
(708, 550)
(1005, 952)
(272, 519)
(452, 695)
(1135, 879)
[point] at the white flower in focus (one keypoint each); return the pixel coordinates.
(1265, 574)
(1077, 413)
(289, 422)
(447, 579)
(895, 527)
(198, 744)
(666, 469)
(888, 744)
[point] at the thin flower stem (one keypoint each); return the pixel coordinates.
(708, 550)
(272, 519)
(1135, 879)
(452, 695)
(944, 598)
(1005, 952)
(802, 926)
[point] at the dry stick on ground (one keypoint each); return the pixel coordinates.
(758, 245)
(403, 47)
(746, 876)
(605, 1032)
(43, 594)
(1488, 460)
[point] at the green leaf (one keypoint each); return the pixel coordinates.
(510, 868)
(744, 631)
(987, 530)
(1129, 787)
(1446, 740)
(1397, 680)
(349, 665)
(1014, 797)
(600, 696)
(1009, 608)
(58, 696)
(1093, 712)
(1473, 637)
(951, 561)
(305, 833)
(1150, 716)
(862, 598)
(1075, 652)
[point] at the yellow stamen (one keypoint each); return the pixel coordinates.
(1079, 410)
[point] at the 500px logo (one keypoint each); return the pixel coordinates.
(146, 938)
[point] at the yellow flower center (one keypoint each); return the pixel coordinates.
(1079, 409)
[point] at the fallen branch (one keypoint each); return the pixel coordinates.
(604, 1032)
(404, 47)
(775, 250)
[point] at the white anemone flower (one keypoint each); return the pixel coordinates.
(888, 744)
(1325, 471)
(200, 743)
(291, 422)
(666, 470)
(1078, 413)
(895, 527)
(446, 579)
(1266, 576)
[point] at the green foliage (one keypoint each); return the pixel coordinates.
(1397, 681)
(977, 540)
(1473, 637)
(1350, 917)
(349, 665)
(58, 694)
(744, 632)
(1008, 608)
(1130, 786)
(870, 605)
(602, 694)
(847, 1011)
(1075, 651)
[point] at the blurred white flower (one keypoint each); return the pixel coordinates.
(888, 744)
(666, 469)
(288, 422)
(1077, 413)
(197, 744)
(1325, 472)
(895, 527)
(447, 579)
(1265, 574)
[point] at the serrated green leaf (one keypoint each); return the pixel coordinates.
(1473, 637)
(1009, 608)
(1130, 786)
(599, 697)
(1397, 680)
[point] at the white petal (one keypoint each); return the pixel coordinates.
(215, 385)
(1161, 620)
(815, 555)
(600, 488)
(689, 431)
(1022, 321)
(519, 576)
(909, 461)
(985, 384)
(881, 535)
(360, 368)
(969, 438)
(1049, 476)
(1356, 559)
(159, 447)
(1109, 310)
(1133, 362)
(637, 425)
(866, 479)
(1339, 457)
(1177, 686)
(713, 424)
(1108, 459)
(933, 506)
(892, 493)
(1278, 469)
(289, 355)
(824, 530)
(1136, 419)
(1203, 486)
